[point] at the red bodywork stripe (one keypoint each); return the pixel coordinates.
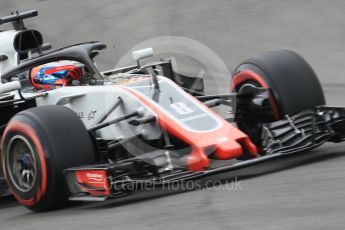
(224, 139)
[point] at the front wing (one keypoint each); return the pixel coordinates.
(293, 135)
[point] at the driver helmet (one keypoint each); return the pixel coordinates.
(56, 74)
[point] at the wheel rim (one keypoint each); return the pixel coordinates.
(249, 77)
(22, 163)
(253, 127)
(254, 84)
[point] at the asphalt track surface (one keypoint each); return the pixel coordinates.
(300, 192)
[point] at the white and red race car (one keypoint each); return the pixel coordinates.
(89, 138)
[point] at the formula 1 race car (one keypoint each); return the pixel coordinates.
(71, 132)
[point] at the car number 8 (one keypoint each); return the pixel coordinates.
(181, 108)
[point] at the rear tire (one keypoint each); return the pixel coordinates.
(37, 145)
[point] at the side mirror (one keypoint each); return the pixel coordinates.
(141, 54)
(10, 86)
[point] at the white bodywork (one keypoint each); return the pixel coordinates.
(7, 48)
(10, 86)
(91, 102)
(88, 102)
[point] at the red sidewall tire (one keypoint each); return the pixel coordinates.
(61, 141)
(19, 128)
(293, 84)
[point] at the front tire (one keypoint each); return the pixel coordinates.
(37, 145)
(292, 84)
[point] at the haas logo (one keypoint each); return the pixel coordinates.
(95, 178)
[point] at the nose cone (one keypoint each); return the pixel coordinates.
(228, 143)
(227, 149)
